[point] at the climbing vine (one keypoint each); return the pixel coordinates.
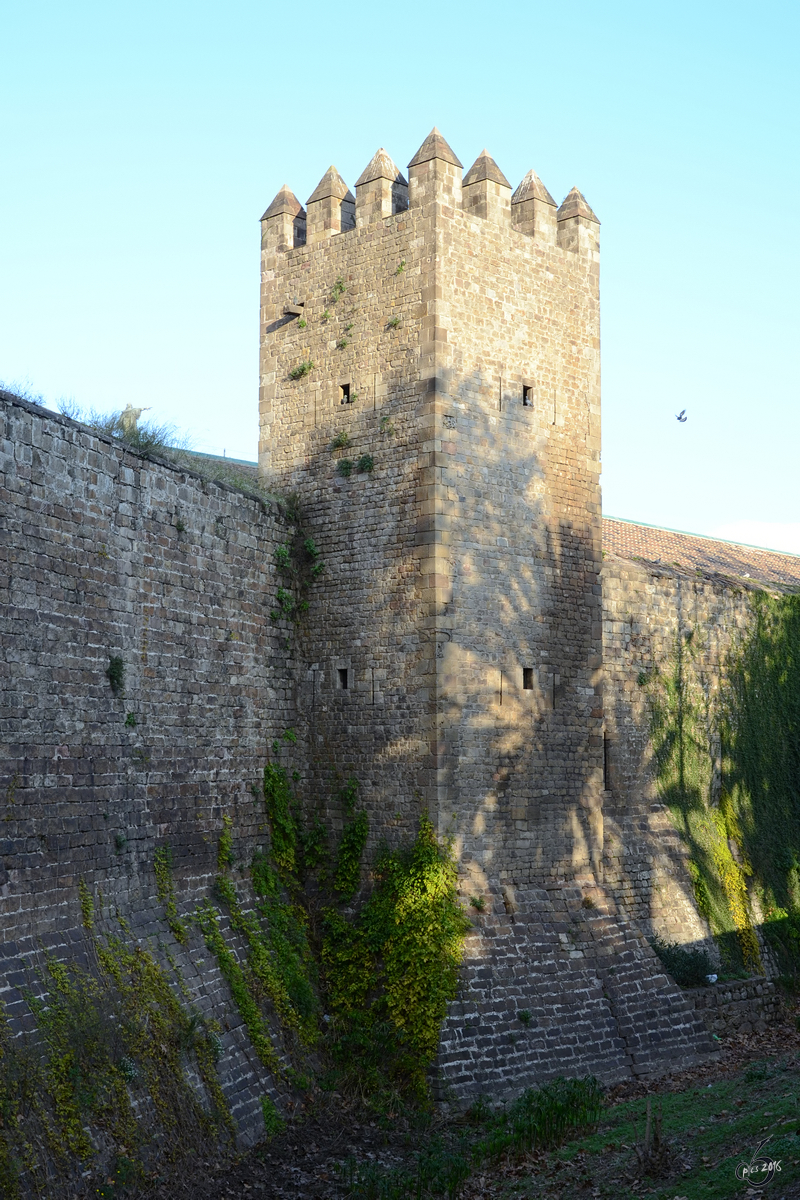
(685, 733)
(106, 1076)
(761, 766)
(109, 1056)
(728, 767)
(390, 973)
(299, 565)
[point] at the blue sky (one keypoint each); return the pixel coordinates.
(140, 144)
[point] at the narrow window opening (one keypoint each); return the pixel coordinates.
(344, 393)
(527, 679)
(501, 687)
(527, 396)
(606, 771)
(343, 678)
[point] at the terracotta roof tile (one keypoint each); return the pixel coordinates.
(693, 552)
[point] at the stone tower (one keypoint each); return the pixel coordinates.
(430, 388)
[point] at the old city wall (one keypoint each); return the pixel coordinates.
(443, 342)
(461, 598)
(365, 321)
(651, 614)
(106, 554)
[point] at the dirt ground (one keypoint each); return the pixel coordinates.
(301, 1163)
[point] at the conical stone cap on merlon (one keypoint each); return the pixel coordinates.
(434, 146)
(380, 166)
(284, 202)
(485, 167)
(331, 184)
(532, 188)
(576, 206)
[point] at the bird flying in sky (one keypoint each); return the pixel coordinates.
(681, 416)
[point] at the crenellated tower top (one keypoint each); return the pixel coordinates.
(434, 176)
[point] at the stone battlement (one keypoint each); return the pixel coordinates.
(434, 176)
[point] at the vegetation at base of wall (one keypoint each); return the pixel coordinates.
(242, 988)
(539, 1119)
(390, 971)
(688, 967)
(104, 1072)
(351, 847)
(273, 1121)
(728, 768)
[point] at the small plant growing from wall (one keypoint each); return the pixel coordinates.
(387, 427)
(341, 441)
(115, 672)
(342, 343)
(478, 903)
(130, 721)
(339, 289)
(365, 464)
(273, 1121)
(348, 326)
(302, 323)
(344, 467)
(299, 563)
(401, 266)
(393, 323)
(302, 369)
(326, 316)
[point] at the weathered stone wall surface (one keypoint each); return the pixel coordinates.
(593, 997)
(461, 596)
(461, 592)
(372, 603)
(647, 609)
(106, 554)
(740, 1007)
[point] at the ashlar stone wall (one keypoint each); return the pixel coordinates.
(450, 331)
(648, 611)
(105, 554)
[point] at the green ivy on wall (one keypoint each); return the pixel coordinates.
(104, 1036)
(761, 765)
(391, 971)
(727, 765)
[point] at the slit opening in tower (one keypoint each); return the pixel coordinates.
(606, 765)
(344, 393)
(344, 681)
(527, 396)
(527, 679)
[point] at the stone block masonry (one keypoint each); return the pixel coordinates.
(106, 555)
(430, 392)
(444, 334)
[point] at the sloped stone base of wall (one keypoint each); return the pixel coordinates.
(564, 985)
(744, 1006)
